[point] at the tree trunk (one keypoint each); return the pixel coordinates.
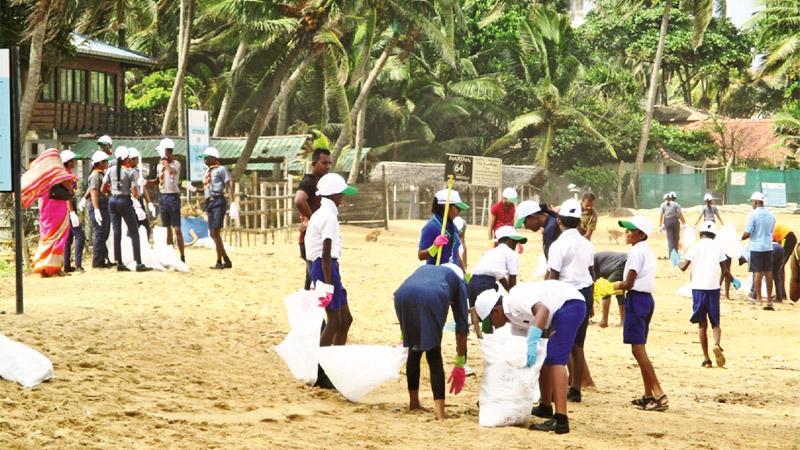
(268, 108)
(362, 117)
(361, 100)
(33, 83)
(651, 103)
(183, 63)
(225, 107)
(546, 145)
(283, 117)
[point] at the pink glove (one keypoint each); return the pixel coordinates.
(324, 293)
(457, 379)
(520, 248)
(325, 301)
(441, 241)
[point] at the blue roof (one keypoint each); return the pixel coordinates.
(88, 46)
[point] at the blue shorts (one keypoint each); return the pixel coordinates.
(761, 262)
(339, 292)
(563, 329)
(215, 209)
(639, 308)
(478, 284)
(705, 303)
(588, 295)
(170, 206)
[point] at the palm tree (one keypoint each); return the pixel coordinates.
(184, 45)
(778, 29)
(544, 48)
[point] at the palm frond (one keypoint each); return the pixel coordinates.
(481, 88)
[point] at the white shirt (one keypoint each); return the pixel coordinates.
(643, 261)
(518, 304)
(571, 255)
(705, 256)
(323, 224)
(499, 262)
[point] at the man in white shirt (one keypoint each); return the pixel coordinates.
(532, 308)
(571, 260)
(708, 266)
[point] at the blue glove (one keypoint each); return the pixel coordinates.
(736, 283)
(675, 257)
(534, 334)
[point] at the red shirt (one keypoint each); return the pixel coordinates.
(504, 214)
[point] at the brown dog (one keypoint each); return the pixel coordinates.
(614, 235)
(373, 236)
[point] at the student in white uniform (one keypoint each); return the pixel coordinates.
(498, 265)
(549, 307)
(571, 260)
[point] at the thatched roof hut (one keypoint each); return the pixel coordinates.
(426, 175)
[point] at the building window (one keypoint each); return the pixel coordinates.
(65, 85)
(102, 88)
(49, 88)
(71, 85)
(111, 89)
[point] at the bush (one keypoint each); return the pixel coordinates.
(602, 182)
(154, 90)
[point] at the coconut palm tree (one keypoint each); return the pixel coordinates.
(777, 25)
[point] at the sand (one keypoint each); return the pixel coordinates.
(176, 360)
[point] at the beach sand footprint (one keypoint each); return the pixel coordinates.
(283, 413)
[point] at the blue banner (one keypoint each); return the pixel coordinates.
(5, 121)
(198, 141)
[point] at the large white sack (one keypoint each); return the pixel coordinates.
(684, 291)
(149, 258)
(689, 238)
(729, 241)
(747, 286)
(165, 254)
(299, 350)
(541, 268)
(22, 364)
(355, 370)
(508, 388)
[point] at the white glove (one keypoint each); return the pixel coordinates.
(188, 186)
(73, 219)
(322, 288)
(234, 211)
(152, 208)
(82, 204)
(98, 217)
(140, 214)
(141, 182)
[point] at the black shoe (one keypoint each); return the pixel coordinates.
(559, 423)
(69, 269)
(183, 259)
(108, 265)
(228, 264)
(545, 412)
(142, 268)
(217, 266)
(79, 269)
(574, 395)
(122, 268)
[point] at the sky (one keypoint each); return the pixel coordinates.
(739, 11)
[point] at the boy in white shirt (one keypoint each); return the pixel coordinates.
(571, 260)
(640, 281)
(323, 249)
(498, 265)
(708, 266)
(533, 308)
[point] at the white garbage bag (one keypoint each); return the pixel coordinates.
(149, 258)
(164, 253)
(22, 364)
(689, 238)
(684, 291)
(299, 350)
(541, 268)
(730, 242)
(508, 388)
(355, 370)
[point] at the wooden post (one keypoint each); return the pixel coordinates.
(473, 204)
(394, 202)
(385, 200)
(277, 210)
(483, 211)
(289, 207)
(262, 191)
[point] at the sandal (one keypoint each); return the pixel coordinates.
(640, 402)
(707, 364)
(719, 356)
(769, 308)
(657, 404)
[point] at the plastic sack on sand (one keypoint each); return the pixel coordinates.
(508, 388)
(148, 256)
(164, 253)
(689, 238)
(541, 268)
(684, 291)
(299, 350)
(731, 243)
(747, 286)
(355, 370)
(23, 364)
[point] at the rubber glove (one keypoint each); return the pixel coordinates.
(152, 208)
(438, 243)
(467, 277)
(674, 257)
(140, 214)
(188, 186)
(98, 217)
(534, 334)
(457, 379)
(73, 219)
(234, 211)
(324, 293)
(520, 248)
(82, 204)
(737, 283)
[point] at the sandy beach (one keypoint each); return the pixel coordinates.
(173, 360)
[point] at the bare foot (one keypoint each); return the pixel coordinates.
(440, 414)
(603, 324)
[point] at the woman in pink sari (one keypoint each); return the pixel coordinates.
(48, 180)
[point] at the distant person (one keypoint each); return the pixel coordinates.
(611, 266)
(421, 304)
(218, 192)
(589, 216)
(786, 238)
(708, 263)
(794, 274)
(144, 198)
(709, 212)
(431, 241)
(306, 201)
(502, 213)
(98, 210)
(104, 144)
(535, 216)
(758, 229)
(76, 233)
(670, 221)
(169, 198)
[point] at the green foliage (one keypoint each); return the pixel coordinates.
(154, 90)
(601, 181)
(692, 145)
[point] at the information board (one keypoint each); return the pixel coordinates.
(775, 193)
(197, 126)
(5, 121)
(475, 170)
(738, 178)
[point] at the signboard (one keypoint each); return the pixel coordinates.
(475, 170)
(738, 178)
(197, 136)
(5, 121)
(775, 193)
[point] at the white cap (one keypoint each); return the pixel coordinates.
(333, 183)
(758, 196)
(507, 231)
(455, 269)
(210, 151)
(640, 223)
(455, 199)
(525, 209)
(104, 139)
(161, 152)
(100, 156)
(673, 195)
(666, 196)
(570, 208)
(708, 197)
(708, 227)
(460, 223)
(121, 152)
(485, 302)
(67, 155)
(133, 152)
(510, 194)
(166, 143)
